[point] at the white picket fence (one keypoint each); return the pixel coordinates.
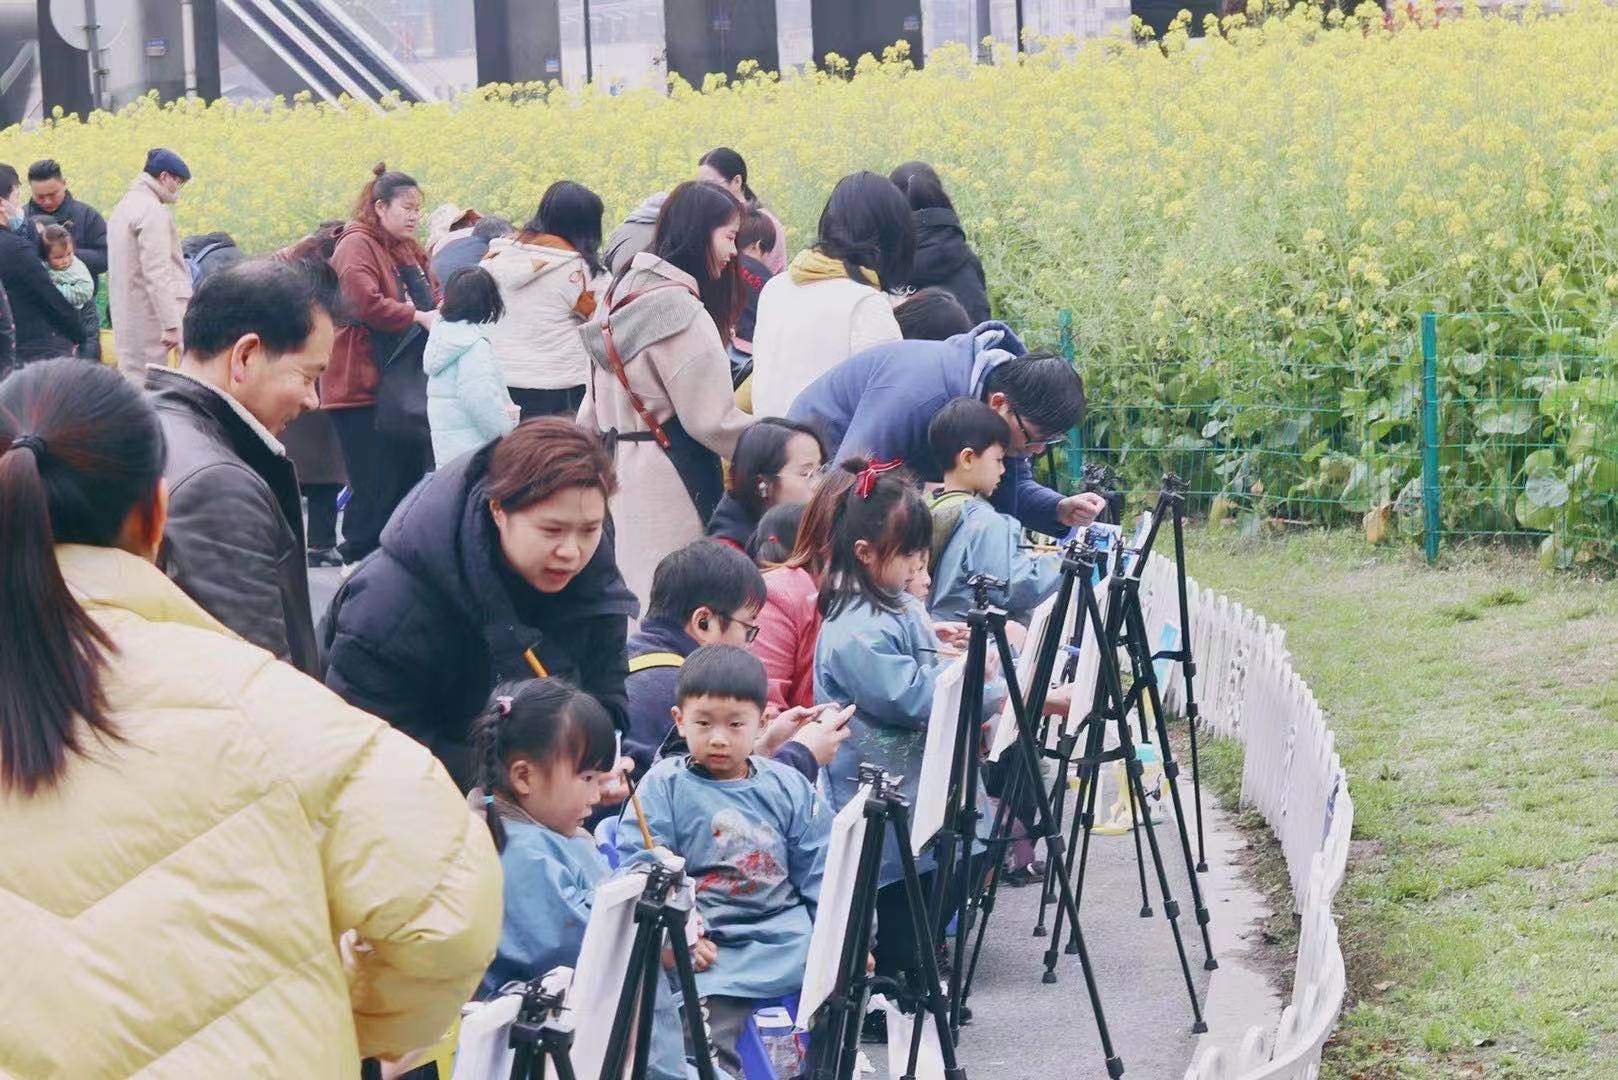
(1247, 690)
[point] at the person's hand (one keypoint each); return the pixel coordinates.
(170, 338)
(515, 412)
(781, 727)
(1080, 509)
(426, 319)
(615, 785)
(825, 737)
(953, 635)
(703, 954)
(1058, 700)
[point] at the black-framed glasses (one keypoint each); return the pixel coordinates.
(1028, 439)
(752, 631)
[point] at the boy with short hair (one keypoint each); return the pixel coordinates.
(754, 242)
(753, 834)
(970, 537)
(705, 593)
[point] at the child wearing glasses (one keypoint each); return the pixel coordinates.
(705, 593)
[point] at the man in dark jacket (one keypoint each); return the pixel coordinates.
(52, 199)
(704, 594)
(943, 259)
(881, 401)
(257, 337)
(47, 325)
(436, 618)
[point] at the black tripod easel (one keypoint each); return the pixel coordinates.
(661, 914)
(539, 1034)
(1173, 496)
(837, 1038)
(957, 838)
(1124, 625)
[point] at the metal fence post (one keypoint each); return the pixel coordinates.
(1429, 432)
(1073, 455)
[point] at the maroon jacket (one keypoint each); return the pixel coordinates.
(368, 274)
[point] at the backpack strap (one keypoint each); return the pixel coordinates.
(616, 362)
(947, 507)
(648, 661)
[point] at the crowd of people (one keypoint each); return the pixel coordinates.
(678, 508)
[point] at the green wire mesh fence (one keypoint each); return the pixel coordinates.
(1473, 426)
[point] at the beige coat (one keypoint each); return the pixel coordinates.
(686, 375)
(148, 285)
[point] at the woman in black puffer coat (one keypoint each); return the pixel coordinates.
(942, 257)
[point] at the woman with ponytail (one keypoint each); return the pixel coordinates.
(188, 823)
(942, 255)
(544, 749)
(391, 299)
(833, 300)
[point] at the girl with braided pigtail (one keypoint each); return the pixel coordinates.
(543, 750)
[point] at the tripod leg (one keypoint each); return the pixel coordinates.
(996, 850)
(1053, 849)
(1188, 671)
(1135, 812)
(686, 976)
(1171, 771)
(845, 1050)
(1196, 782)
(922, 931)
(647, 937)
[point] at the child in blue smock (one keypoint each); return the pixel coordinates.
(753, 833)
(543, 752)
(878, 652)
(970, 536)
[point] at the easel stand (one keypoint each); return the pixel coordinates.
(837, 1040)
(540, 1036)
(1174, 494)
(1111, 707)
(956, 839)
(661, 915)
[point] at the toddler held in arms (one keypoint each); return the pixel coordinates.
(753, 833)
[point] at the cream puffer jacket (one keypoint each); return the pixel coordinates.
(549, 293)
(173, 907)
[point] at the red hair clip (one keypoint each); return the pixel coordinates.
(866, 480)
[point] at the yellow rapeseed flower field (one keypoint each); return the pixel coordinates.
(1225, 218)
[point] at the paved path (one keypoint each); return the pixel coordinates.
(1025, 1030)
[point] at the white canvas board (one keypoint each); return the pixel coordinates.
(481, 1052)
(603, 965)
(836, 901)
(1086, 672)
(901, 1032)
(1005, 728)
(932, 786)
(1138, 540)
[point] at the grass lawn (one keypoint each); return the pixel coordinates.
(1476, 710)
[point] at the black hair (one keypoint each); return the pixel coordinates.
(547, 720)
(776, 535)
(1043, 389)
(867, 224)
(51, 235)
(729, 164)
(684, 238)
(46, 169)
(472, 295)
(704, 573)
(965, 424)
(931, 314)
(275, 300)
(8, 181)
(492, 227)
(80, 449)
(761, 454)
(757, 228)
(573, 212)
(922, 188)
(892, 517)
(723, 671)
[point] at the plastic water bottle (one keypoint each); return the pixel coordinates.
(780, 1044)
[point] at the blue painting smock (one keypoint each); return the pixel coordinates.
(549, 889)
(885, 664)
(756, 849)
(989, 542)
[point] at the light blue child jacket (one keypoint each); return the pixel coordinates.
(756, 848)
(989, 542)
(467, 401)
(886, 665)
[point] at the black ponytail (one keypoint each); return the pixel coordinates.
(79, 449)
(546, 720)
